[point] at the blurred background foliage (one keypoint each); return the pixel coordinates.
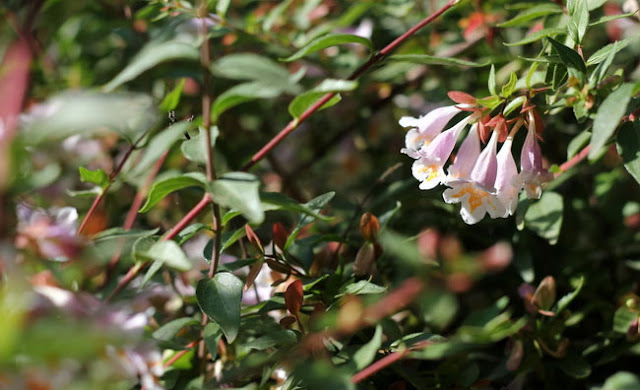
(533, 301)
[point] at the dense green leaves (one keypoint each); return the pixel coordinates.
(571, 59)
(219, 298)
(628, 144)
(327, 41)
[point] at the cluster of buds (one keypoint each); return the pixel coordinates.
(483, 181)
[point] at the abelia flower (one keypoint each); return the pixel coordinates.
(477, 193)
(429, 168)
(532, 175)
(507, 171)
(466, 157)
(425, 128)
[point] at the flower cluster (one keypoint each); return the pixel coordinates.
(483, 181)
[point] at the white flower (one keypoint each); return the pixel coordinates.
(425, 128)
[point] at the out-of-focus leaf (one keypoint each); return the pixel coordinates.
(302, 102)
(608, 118)
(544, 217)
(327, 41)
(222, 6)
(151, 55)
(623, 318)
(362, 287)
(281, 337)
(168, 253)
(321, 375)
(159, 144)
(438, 308)
(97, 177)
(628, 144)
(169, 330)
(510, 86)
(567, 299)
(242, 93)
(239, 191)
(532, 13)
(170, 102)
(538, 35)
(195, 149)
(575, 366)
(274, 14)
(316, 204)
(88, 113)
(577, 143)
(434, 60)
(365, 355)
(219, 298)
(293, 297)
(491, 84)
(622, 381)
(164, 187)
(212, 334)
(609, 18)
(247, 66)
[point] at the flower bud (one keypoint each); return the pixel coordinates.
(369, 227)
(365, 260)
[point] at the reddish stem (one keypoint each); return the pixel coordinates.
(112, 176)
(379, 365)
(377, 57)
(574, 160)
(179, 354)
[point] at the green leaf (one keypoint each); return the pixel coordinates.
(544, 217)
(169, 330)
(566, 300)
(628, 144)
(316, 204)
(242, 93)
(605, 51)
(491, 84)
(170, 254)
(578, 20)
(195, 149)
(151, 55)
(279, 201)
(327, 41)
(97, 177)
(281, 337)
(536, 36)
(577, 143)
(622, 381)
(219, 298)
(609, 18)
(239, 191)
(222, 6)
(88, 113)
(170, 102)
(575, 366)
(571, 59)
(362, 287)
(623, 318)
(246, 66)
(159, 144)
(601, 70)
(302, 102)
(514, 104)
(274, 14)
(425, 59)
(532, 13)
(164, 187)
(608, 118)
(510, 86)
(365, 355)
(212, 334)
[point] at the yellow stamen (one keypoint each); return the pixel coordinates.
(475, 196)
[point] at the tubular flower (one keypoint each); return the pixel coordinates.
(425, 128)
(507, 171)
(466, 157)
(532, 175)
(428, 169)
(477, 194)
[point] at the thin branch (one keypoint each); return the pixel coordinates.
(375, 58)
(574, 160)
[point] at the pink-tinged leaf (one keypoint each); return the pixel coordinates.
(461, 97)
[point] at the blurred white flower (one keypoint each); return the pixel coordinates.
(52, 232)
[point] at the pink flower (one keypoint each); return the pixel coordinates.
(53, 231)
(466, 157)
(532, 175)
(477, 194)
(507, 171)
(429, 168)
(425, 128)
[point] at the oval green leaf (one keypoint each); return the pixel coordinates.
(327, 41)
(608, 118)
(239, 191)
(164, 187)
(220, 298)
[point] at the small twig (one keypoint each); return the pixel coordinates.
(379, 365)
(574, 160)
(179, 354)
